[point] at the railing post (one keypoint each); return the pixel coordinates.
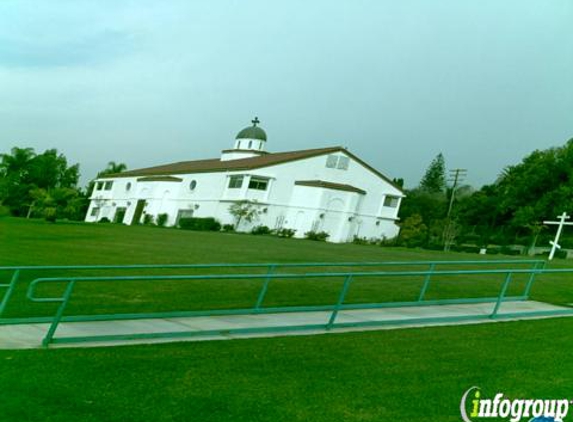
(426, 284)
(10, 290)
(265, 287)
(59, 313)
(340, 301)
(501, 295)
(529, 285)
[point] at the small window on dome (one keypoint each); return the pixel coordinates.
(193, 185)
(250, 144)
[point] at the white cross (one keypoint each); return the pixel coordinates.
(555, 243)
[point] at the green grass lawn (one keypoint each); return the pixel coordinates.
(408, 374)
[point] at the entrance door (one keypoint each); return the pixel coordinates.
(138, 211)
(333, 219)
(119, 215)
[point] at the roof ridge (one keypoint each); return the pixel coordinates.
(229, 163)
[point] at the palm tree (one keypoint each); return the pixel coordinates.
(113, 168)
(16, 162)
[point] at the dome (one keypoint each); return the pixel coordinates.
(252, 132)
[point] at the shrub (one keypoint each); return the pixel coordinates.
(288, 233)
(318, 236)
(4, 211)
(200, 224)
(493, 251)
(413, 232)
(433, 246)
(148, 219)
(558, 254)
(50, 214)
(389, 242)
(162, 219)
(261, 230)
(509, 251)
(465, 248)
(360, 240)
(228, 228)
(101, 220)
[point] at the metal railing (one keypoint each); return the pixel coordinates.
(271, 268)
(347, 278)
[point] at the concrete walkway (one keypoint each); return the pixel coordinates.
(26, 336)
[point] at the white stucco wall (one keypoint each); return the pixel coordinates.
(303, 208)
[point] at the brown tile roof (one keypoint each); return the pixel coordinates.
(329, 185)
(216, 165)
(160, 179)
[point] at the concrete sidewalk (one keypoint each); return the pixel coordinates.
(26, 336)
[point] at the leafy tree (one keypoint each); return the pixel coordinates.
(434, 180)
(244, 211)
(22, 172)
(14, 176)
(50, 170)
(510, 210)
(413, 231)
(57, 203)
(430, 208)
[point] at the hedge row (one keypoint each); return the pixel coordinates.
(200, 224)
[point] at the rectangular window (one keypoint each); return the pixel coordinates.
(331, 161)
(99, 185)
(258, 183)
(108, 185)
(391, 201)
(337, 162)
(343, 163)
(235, 182)
(94, 212)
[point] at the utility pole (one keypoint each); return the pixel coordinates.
(456, 176)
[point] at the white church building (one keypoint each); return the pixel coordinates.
(322, 189)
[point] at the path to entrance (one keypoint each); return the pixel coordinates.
(27, 336)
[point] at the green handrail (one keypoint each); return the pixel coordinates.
(271, 267)
(334, 309)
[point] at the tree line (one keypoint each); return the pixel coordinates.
(44, 185)
(509, 211)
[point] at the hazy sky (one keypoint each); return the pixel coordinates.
(151, 82)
